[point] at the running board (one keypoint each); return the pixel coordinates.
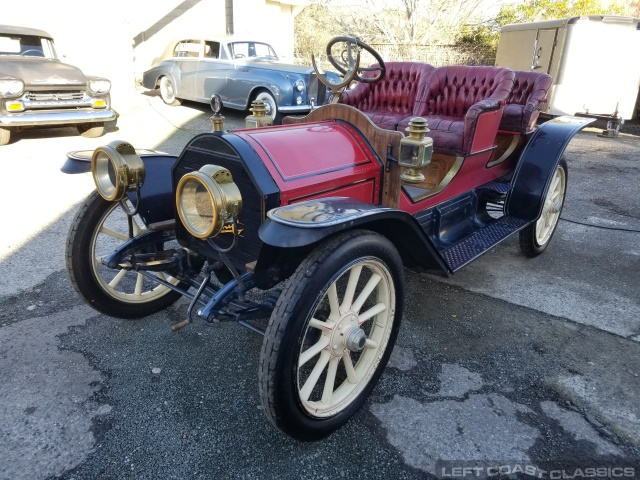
(480, 241)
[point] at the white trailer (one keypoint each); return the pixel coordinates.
(593, 60)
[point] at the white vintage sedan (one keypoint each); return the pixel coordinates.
(240, 71)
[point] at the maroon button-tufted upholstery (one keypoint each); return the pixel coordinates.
(393, 98)
(455, 99)
(521, 112)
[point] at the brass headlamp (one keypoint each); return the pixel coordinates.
(207, 200)
(415, 151)
(116, 169)
(258, 117)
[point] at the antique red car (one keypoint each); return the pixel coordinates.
(311, 223)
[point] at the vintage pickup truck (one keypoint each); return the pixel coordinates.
(310, 224)
(38, 90)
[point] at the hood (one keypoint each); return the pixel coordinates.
(36, 71)
(280, 67)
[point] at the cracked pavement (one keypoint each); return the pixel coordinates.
(511, 361)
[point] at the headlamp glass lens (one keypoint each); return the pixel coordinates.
(105, 175)
(197, 207)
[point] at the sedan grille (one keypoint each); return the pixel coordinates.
(317, 90)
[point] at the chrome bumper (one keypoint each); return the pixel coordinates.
(56, 117)
(297, 108)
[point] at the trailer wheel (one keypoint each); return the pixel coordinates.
(331, 334)
(535, 238)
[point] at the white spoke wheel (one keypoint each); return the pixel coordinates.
(97, 230)
(536, 237)
(331, 334)
(168, 91)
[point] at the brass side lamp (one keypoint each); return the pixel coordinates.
(415, 151)
(217, 120)
(258, 117)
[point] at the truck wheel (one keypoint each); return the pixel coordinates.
(535, 238)
(331, 334)
(91, 130)
(168, 92)
(5, 136)
(98, 228)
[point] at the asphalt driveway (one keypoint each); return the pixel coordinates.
(513, 365)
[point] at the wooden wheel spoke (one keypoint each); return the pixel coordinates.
(313, 350)
(305, 391)
(366, 291)
(352, 376)
(320, 325)
(139, 282)
(372, 312)
(116, 280)
(330, 380)
(354, 276)
(114, 234)
(334, 304)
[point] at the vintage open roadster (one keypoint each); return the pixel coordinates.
(311, 223)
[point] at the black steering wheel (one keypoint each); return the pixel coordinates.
(346, 60)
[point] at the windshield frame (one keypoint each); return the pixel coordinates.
(251, 45)
(27, 46)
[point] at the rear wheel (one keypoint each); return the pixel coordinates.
(98, 229)
(168, 92)
(5, 136)
(536, 237)
(331, 334)
(91, 130)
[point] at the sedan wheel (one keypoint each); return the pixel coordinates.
(270, 102)
(168, 92)
(331, 334)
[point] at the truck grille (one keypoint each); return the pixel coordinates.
(55, 99)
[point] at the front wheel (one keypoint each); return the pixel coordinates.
(331, 334)
(91, 130)
(5, 136)
(98, 229)
(168, 92)
(535, 238)
(270, 103)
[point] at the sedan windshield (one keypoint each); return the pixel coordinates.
(26, 46)
(252, 49)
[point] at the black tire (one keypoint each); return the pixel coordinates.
(290, 402)
(535, 238)
(91, 130)
(272, 106)
(168, 91)
(88, 239)
(5, 136)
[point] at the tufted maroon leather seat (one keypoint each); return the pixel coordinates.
(393, 99)
(463, 107)
(529, 90)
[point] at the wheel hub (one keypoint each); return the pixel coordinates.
(347, 335)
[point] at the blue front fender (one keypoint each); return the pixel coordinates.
(157, 201)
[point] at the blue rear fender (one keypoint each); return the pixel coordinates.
(537, 163)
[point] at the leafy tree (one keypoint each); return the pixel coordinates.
(526, 11)
(538, 10)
